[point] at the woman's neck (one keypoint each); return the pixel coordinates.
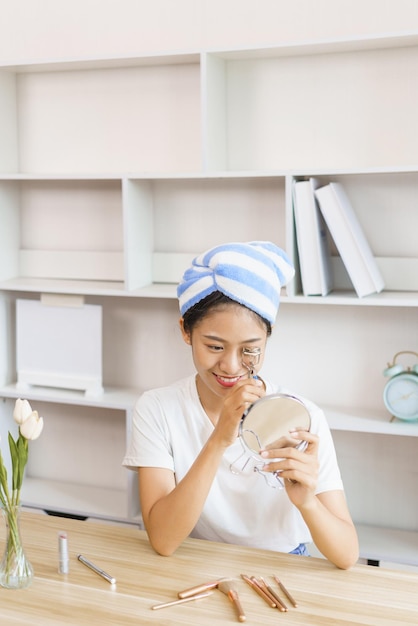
(211, 403)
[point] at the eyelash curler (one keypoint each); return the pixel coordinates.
(251, 358)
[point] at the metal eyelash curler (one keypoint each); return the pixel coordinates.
(251, 358)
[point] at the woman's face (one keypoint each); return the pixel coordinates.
(218, 341)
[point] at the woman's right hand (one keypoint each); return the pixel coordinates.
(237, 401)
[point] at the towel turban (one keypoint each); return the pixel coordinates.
(250, 273)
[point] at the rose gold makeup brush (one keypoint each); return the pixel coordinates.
(198, 596)
(226, 586)
(191, 591)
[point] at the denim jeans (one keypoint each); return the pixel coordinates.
(301, 549)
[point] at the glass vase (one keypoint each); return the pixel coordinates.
(16, 571)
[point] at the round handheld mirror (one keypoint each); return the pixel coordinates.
(269, 423)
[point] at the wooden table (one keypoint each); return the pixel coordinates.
(325, 595)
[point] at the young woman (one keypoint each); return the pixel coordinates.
(185, 436)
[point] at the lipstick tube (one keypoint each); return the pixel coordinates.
(63, 560)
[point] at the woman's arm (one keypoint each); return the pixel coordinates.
(326, 514)
(170, 511)
(332, 529)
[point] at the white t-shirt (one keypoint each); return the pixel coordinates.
(169, 430)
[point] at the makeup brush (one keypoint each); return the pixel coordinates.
(198, 596)
(227, 588)
(191, 591)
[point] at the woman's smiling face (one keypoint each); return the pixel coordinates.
(218, 341)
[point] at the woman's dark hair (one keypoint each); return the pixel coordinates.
(215, 300)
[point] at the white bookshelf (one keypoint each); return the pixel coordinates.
(114, 172)
(379, 423)
(385, 547)
(75, 499)
(112, 398)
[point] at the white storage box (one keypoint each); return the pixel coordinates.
(59, 345)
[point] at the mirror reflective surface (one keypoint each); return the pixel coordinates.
(269, 423)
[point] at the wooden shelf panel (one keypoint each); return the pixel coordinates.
(324, 46)
(111, 398)
(92, 63)
(75, 499)
(379, 423)
(388, 546)
(349, 298)
(168, 291)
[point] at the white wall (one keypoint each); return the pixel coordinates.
(42, 29)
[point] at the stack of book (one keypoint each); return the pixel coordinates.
(321, 212)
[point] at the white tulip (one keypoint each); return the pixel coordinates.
(21, 411)
(32, 427)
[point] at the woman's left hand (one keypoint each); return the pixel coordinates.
(297, 469)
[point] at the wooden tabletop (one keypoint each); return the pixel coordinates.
(325, 595)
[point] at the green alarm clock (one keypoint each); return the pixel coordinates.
(400, 394)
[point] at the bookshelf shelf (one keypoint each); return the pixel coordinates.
(387, 547)
(378, 423)
(111, 398)
(185, 150)
(75, 499)
(168, 291)
(348, 298)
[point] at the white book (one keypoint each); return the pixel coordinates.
(350, 239)
(312, 240)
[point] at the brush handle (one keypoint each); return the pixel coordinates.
(280, 605)
(259, 590)
(181, 601)
(233, 596)
(285, 591)
(191, 591)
